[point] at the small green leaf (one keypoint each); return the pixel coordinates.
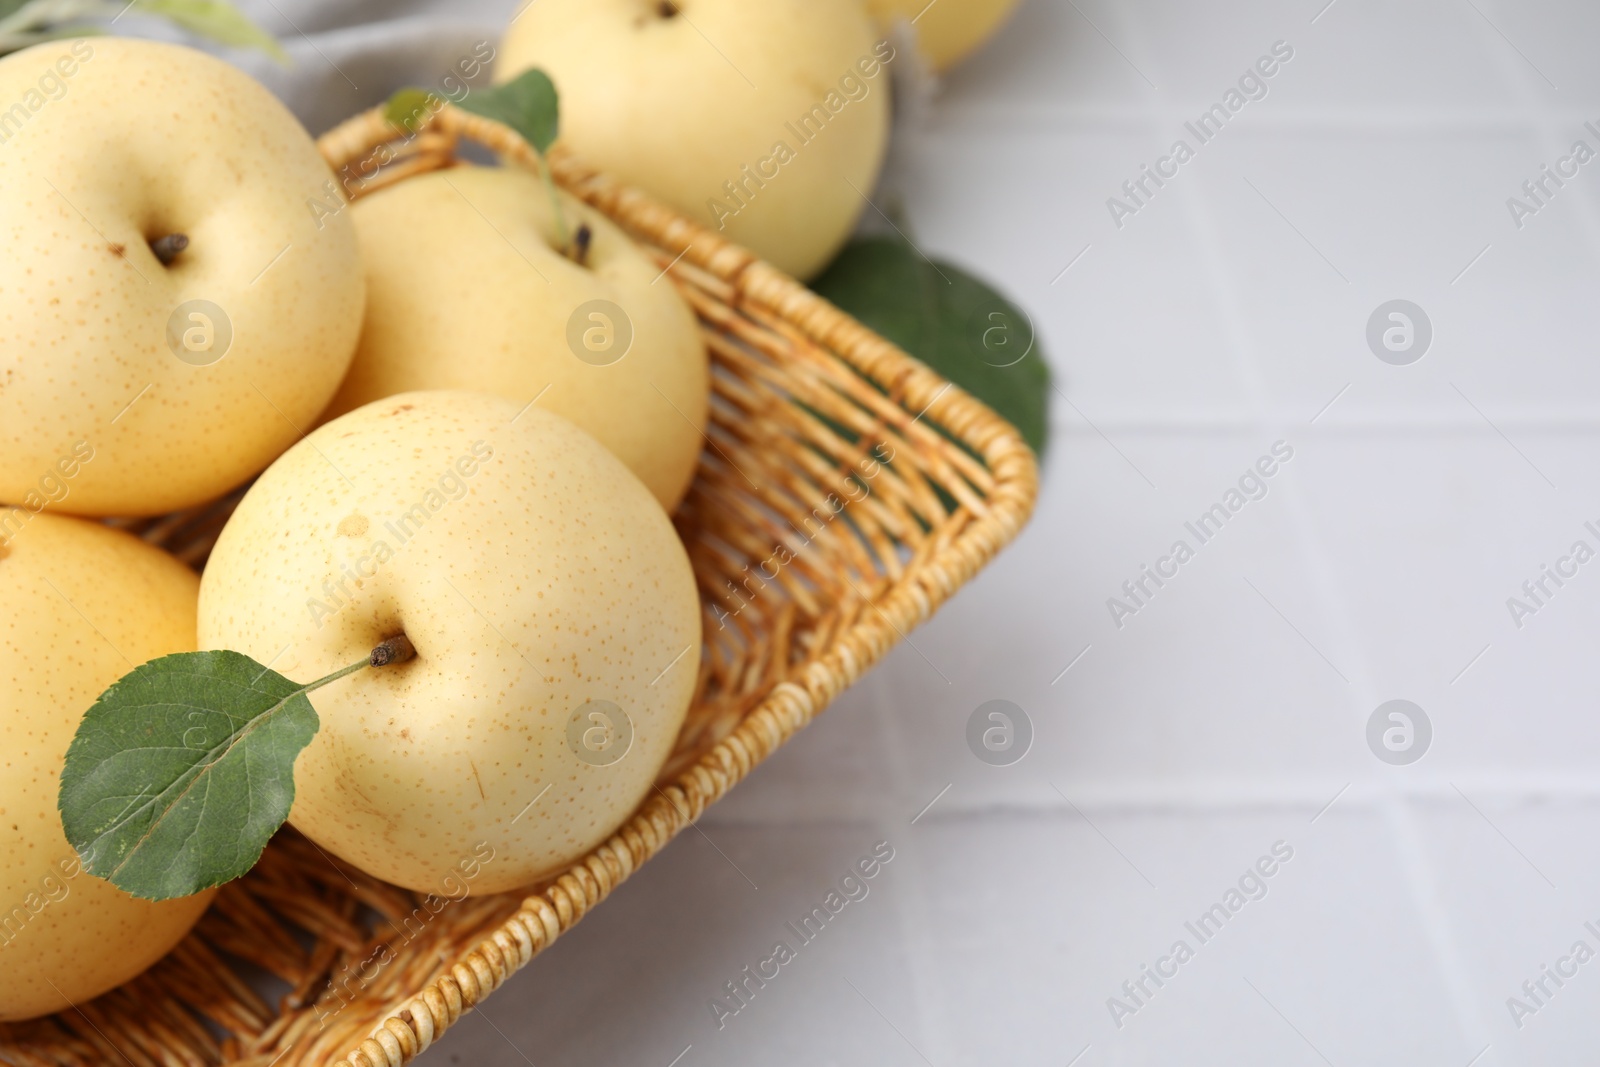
(216, 21)
(182, 770)
(16, 42)
(24, 23)
(408, 107)
(953, 322)
(527, 103)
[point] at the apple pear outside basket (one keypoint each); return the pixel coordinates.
(804, 398)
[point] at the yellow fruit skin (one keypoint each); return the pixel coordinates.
(80, 606)
(465, 290)
(947, 31)
(539, 574)
(678, 106)
(145, 140)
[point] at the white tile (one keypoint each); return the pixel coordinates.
(634, 981)
(1046, 920)
(1049, 56)
(1518, 887)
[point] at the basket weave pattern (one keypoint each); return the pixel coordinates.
(845, 492)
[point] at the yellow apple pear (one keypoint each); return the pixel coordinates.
(947, 31)
(180, 292)
(80, 606)
(551, 605)
(467, 288)
(766, 121)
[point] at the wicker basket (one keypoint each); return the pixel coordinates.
(888, 486)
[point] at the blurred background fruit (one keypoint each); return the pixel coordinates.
(766, 121)
(947, 31)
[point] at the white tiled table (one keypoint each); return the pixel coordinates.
(1228, 714)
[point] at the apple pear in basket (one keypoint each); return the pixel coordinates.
(474, 283)
(80, 604)
(169, 293)
(551, 606)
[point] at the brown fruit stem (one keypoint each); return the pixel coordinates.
(167, 248)
(397, 649)
(580, 244)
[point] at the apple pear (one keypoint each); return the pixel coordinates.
(468, 288)
(551, 606)
(80, 606)
(180, 292)
(766, 121)
(947, 31)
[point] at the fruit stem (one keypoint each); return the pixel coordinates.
(580, 244)
(361, 664)
(397, 649)
(167, 248)
(563, 233)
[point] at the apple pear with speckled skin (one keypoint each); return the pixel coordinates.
(80, 605)
(773, 136)
(179, 289)
(552, 607)
(503, 309)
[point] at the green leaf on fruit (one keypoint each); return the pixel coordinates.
(181, 772)
(528, 104)
(958, 325)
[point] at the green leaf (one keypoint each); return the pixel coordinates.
(24, 23)
(528, 104)
(216, 21)
(408, 107)
(182, 770)
(955, 323)
(16, 42)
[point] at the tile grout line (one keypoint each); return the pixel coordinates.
(1368, 795)
(911, 907)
